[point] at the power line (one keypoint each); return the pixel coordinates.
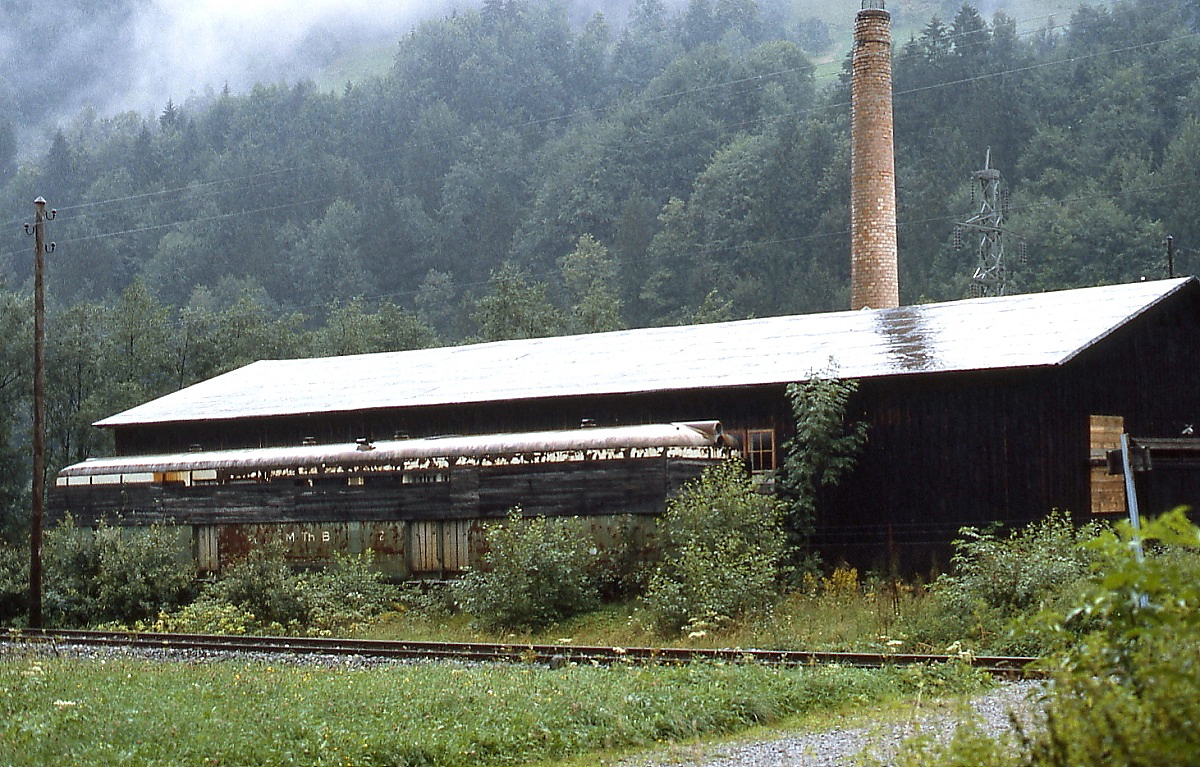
(266, 178)
(759, 78)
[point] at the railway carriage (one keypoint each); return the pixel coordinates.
(418, 504)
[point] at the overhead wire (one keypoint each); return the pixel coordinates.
(641, 100)
(266, 178)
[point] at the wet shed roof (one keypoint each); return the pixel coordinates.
(1030, 330)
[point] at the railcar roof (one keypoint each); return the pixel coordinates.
(387, 452)
(1029, 330)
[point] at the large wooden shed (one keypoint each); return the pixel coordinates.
(979, 411)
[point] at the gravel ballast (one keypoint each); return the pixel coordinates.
(858, 745)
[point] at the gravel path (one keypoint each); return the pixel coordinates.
(856, 745)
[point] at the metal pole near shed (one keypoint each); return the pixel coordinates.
(1135, 521)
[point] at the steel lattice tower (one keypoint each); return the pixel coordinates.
(988, 225)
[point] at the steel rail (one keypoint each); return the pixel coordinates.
(554, 655)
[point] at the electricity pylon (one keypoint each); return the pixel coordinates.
(987, 225)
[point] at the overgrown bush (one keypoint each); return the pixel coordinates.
(1127, 675)
(622, 566)
(263, 594)
(206, 615)
(722, 544)
(1001, 582)
(536, 571)
(264, 586)
(113, 574)
(346, 595)
(431, 599)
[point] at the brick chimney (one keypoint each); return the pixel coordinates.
(873, 269)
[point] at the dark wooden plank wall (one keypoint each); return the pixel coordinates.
(943, 452)
(756, 407)
(950, 450)
(1149, 372)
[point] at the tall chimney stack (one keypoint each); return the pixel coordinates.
(873, 268)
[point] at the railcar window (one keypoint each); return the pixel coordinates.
(423, 477)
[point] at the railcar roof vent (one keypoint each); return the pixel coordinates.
(364, 444)
(308, 441)
(587, 423)
(194, 448)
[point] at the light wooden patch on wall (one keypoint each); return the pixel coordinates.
(1108, 490)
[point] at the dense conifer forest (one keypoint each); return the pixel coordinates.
(518, 172)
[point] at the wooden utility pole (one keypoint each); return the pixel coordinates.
(39, 409)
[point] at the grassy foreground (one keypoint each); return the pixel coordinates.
(56, 711)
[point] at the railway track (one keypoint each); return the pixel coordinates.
(552, 655)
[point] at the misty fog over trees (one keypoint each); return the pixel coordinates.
(519, 172)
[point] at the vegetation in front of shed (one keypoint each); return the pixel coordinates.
(1127, 667)
(262, 594)
(722, 543)
(1001, 582)
(113, 574)
(536, 571)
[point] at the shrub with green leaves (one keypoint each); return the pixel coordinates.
(264, 586)
(722, 543)
(205, 616)
(113, 574)
(346, 595)
(14, 583)
(1126, 677)
(536, 571)
(1001, 582)
(263, 594)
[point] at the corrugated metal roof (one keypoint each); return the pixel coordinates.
(1029, 330)
(389, 452)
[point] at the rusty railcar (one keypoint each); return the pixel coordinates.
(418, 504)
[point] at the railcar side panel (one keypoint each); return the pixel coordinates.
(418, 524)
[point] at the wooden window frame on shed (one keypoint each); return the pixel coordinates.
(759, 451)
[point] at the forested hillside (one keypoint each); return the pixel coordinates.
(517, 174)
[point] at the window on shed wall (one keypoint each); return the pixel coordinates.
(760, 449)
